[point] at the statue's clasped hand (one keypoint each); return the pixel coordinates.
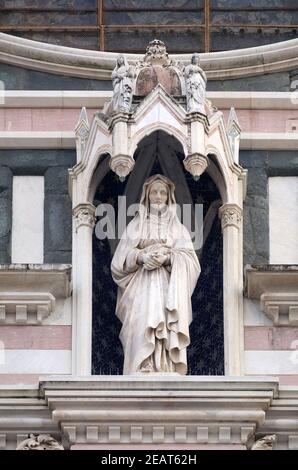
(154, 260)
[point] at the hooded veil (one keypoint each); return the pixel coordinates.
(155, 306)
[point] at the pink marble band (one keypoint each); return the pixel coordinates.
(65, 119)
(266, 338)
(35, 337)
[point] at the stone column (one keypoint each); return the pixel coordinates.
(84, 221)
(231, 221)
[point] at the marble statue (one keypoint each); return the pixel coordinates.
(122, 77)
(195, 84)
(156, 270)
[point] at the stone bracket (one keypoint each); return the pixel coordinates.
(25, 308)
(277, 288)
(280, 307)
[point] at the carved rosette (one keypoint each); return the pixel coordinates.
(84, 215)
(196, 164)
(231, 215)
(122, 165)
(40, 442)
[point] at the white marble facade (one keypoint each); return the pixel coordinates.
(28, 219)
(260, 318)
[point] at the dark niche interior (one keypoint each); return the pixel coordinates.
(161, 153)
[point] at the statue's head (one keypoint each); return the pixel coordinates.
(195, 58)
(158, 194)
(120, 60)
(158, 191)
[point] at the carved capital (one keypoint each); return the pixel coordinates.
(84, 215)
(230, 215)
(40, 442)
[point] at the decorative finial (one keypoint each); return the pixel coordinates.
(156, 53)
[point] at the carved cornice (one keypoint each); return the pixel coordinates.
(84, 215)
(198, 410)
(140, 409)
(98, 65)
(230, 215)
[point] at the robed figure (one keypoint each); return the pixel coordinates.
(156, 270)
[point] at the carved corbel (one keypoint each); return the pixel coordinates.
(196, 164)
(122, 165)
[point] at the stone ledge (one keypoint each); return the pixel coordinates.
(54, 279)
(158, 408)
(151, 411)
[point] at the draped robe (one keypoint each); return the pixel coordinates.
(155, 306)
